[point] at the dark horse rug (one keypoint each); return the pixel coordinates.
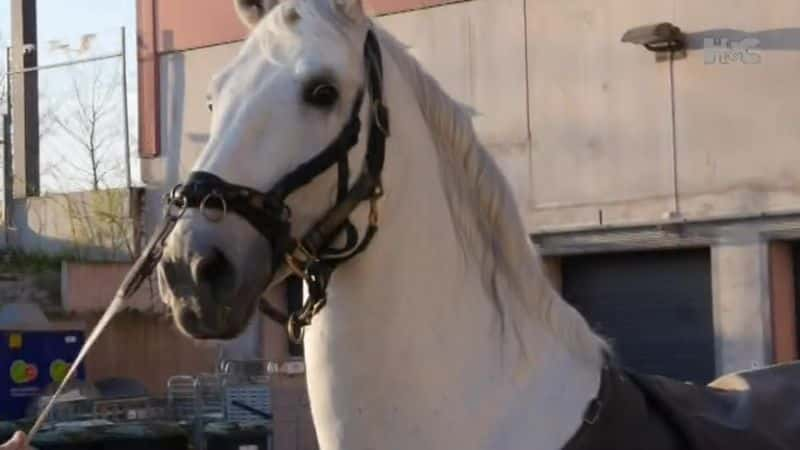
(755, 410)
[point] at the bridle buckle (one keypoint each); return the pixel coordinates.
(592, 413)
(299, 264)
(373, 212)
(296, 329)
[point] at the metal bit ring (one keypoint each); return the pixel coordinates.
(204, 209)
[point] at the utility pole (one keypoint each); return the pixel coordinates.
(25, 99)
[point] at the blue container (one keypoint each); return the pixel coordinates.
(29, 362)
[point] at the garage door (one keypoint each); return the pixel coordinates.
(655, 308)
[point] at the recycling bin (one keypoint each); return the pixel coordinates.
(233, 436)
(144, 435)
(30, 361)
(123, 436)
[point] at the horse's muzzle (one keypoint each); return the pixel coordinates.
(203, 287)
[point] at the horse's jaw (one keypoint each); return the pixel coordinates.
(411, 352)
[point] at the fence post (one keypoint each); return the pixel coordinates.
(8, 163)
(8, 177)
(125, 125)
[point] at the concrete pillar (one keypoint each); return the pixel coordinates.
(25, 99)
(742, 316)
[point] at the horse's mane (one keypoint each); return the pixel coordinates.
(486, 217)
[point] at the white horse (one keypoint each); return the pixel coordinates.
(442, 332)
(445, 333)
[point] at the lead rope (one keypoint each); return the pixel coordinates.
(137, 274)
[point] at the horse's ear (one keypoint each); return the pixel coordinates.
(351, 8)
(252, 11)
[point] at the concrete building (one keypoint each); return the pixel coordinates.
(663, 193)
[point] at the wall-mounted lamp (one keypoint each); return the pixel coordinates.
(668, 43)
(660, 37)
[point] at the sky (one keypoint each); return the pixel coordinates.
(60, 19)
(66, 21)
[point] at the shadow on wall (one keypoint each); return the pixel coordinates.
(176, 79)
(782, 39)
(172, 106)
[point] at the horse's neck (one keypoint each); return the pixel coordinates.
(411, 351)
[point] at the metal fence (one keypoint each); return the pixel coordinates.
(84, 114)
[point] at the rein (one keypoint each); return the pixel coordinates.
(312, 256)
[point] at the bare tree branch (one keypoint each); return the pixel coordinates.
(90, 122)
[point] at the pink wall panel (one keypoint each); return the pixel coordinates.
(148, 80)
(186, 24)
(89, 288)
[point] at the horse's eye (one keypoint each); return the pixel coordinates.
(210, 104)
(321, 95)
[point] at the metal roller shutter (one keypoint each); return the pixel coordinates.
(655, 308)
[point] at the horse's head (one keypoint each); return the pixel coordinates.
(292, 92)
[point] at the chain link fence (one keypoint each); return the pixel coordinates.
(85, 140)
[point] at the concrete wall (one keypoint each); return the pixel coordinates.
(90, 287)
(740, 289)
(607, 151)
(463, 44)
(99, 225)
(477, 51)
(40, 287)
(185, 118)
(737, 123)
(601, 113)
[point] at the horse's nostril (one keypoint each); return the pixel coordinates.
(213, 269)
(189, 320)
(188, 317)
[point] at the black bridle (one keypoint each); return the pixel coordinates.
(312, 256)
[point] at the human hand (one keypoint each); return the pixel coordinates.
(16, 443)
